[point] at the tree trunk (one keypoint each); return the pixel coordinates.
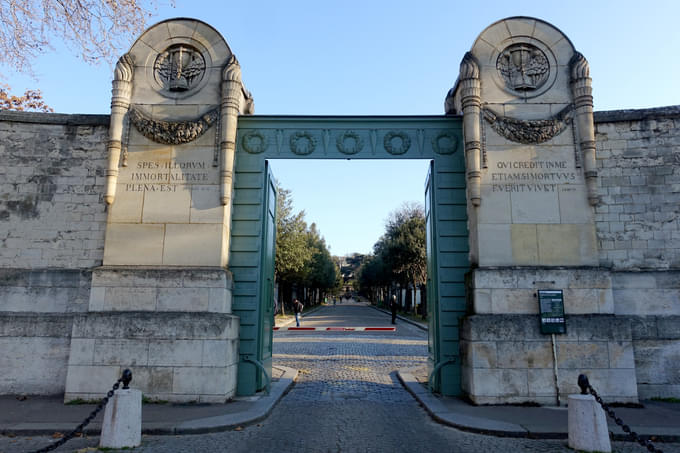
(415, 293)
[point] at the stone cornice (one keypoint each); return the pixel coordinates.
(84, 119)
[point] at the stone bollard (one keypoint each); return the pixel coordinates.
(587, 425)
(122, 425)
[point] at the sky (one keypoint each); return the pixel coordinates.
(369, 57)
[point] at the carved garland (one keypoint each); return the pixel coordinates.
(389, 145)
(357, 143)
(445, 143)
(302, 143)
(254, 142)
(529, 132)
(172, 132)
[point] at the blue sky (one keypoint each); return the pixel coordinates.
(386, 58)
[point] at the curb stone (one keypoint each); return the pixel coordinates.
(406, 320)
(447, 415)
(260, 409)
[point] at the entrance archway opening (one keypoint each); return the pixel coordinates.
(347, 203)
(262, 139)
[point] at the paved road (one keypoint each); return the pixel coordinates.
(347, 399)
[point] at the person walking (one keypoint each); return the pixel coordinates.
(393, 308)
(297, 308)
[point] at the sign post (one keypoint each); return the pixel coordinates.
(551, 306)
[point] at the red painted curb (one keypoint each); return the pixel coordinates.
(340, 329)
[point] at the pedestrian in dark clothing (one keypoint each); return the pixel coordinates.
(393, 309)
(297, 308)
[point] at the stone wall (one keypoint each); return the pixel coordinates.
(638, 229)
(52, 221)
(35, 349)
(44, 290)
(638, 157)
(656, 341)
(52, 213)
(506, 359)
(173, 356)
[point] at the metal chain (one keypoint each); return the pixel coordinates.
(644, 442)
(79, 429)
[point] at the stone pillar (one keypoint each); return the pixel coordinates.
(587, 425)
(120, 103)
(471, 102)
(585, 127)
(525, 97)
(122, 424)
(161, 303)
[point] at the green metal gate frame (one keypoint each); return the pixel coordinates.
(437, 138)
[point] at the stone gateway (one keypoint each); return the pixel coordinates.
(144, 239)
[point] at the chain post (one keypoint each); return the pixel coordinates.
(586, 387)
(125, 379)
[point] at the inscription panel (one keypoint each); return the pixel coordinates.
(159, 176)
(175, 188)
(531, 175)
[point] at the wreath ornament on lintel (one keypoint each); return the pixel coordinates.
(357, 143)
(401, 147)
(253, 142)
(445, 143)
(296, 143)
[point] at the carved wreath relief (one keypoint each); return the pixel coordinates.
(179, 68)
(302, 143)
(396, 143)
(445, 143)
(349, 143)
(523, 67)
(253, 142)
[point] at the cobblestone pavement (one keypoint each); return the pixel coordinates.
(347, 399)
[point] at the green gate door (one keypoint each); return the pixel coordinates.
(264, 349)
(447, 263)
(433, 346)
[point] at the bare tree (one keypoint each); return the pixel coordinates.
(97, 30)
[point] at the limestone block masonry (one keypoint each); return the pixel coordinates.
(548, 212)
(173, 356)
(507, 360)
(115, 230)
(161, 302)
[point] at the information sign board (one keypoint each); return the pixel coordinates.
(551, 305)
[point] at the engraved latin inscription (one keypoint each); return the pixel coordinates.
(153, 176)
(531, 176)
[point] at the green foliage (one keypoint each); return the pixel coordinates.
(399, 256)
(147, 400)
(292, 252)
(320, 272)
(302, 256)
(405, 244)
(667, 400)
(79, 401)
